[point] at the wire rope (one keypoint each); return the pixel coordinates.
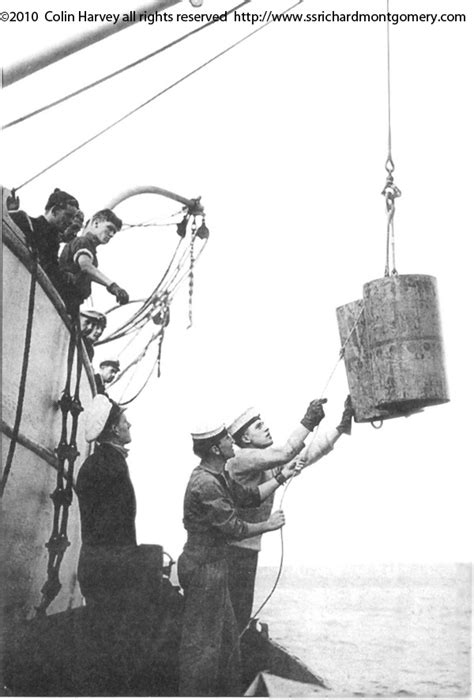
(150, 100)
(115, 73)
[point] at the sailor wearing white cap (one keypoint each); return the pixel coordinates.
(254, 463)
(209, 654)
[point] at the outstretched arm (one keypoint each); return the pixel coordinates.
(251, 459)
(321, 445)
(85, 263)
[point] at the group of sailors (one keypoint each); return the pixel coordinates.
(229, 498)
(74, 268)
(66, 250)
(227, 508)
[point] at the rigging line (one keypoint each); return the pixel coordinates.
(125, 403)
(343, 347)
(135, 318)
(139, 357)
(162, 289)
(172, 289)
(24, 373)
(154, 97)
(59, 101)
(146, 302)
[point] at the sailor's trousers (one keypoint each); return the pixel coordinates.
(209, 654)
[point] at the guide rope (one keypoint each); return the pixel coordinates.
(255, 615)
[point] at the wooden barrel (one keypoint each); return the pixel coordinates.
(394, 357)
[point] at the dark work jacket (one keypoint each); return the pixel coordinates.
(44, 238)
(106, 499)
(109, 566)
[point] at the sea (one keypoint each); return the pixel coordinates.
(375, 630)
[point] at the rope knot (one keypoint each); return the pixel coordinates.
(75, 407)
(65, 402)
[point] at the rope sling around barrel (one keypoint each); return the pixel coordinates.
(393, 348)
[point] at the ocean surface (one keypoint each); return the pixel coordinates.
(376, 630)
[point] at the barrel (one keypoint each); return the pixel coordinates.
(393, 347)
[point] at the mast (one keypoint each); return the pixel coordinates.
(27, 66)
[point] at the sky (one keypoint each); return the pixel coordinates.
(285, 140)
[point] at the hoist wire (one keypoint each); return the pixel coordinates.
(389, 165)
(151, 99)
(390, 191)
(115, 73)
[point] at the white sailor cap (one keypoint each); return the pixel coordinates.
(209, 433)
(242, 422)
(96, 416)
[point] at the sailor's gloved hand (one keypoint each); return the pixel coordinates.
(120, 294)
(345, 426)
(314, 414)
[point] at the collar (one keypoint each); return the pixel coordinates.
(120, 448)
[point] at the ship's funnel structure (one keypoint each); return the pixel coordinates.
(393, 348)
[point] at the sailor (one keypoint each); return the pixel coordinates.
(79, 265)
(43, 233)
(209, 654)
(109, 572)
(127, 604)
(93, 324)
(254, 463)
(108, 370)
(74, 227)
(106, 499)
